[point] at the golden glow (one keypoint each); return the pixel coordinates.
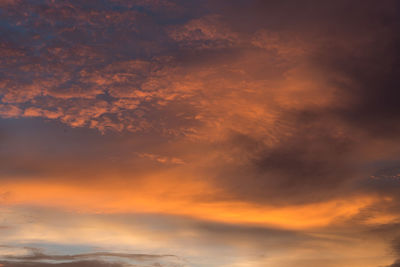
(179, 198)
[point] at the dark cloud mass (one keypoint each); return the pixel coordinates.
(352, 48)
(40, 256)
(66, 264)
(396, 250)
(102, 259)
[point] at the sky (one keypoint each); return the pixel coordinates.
(199, 133)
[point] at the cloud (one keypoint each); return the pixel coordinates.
(204, 33)
(53, 60)
(396, 250)
(276, 108)
(36, 257)
(162, 159)
(288, 103)
(10, 111)
(197, 242)
(66, 264)
(292, 103)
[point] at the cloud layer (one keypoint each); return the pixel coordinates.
(271, 113)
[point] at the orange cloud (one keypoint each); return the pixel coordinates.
(191, 198)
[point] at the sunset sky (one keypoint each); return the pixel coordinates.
(199, 133)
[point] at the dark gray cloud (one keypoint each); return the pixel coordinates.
(396, 250)
(38, 256)
(65, 264)
(104, 259)
(355, 49)
(311, 165)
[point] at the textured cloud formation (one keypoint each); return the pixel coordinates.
(296, 103)
(296, 106)
(276, 113)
